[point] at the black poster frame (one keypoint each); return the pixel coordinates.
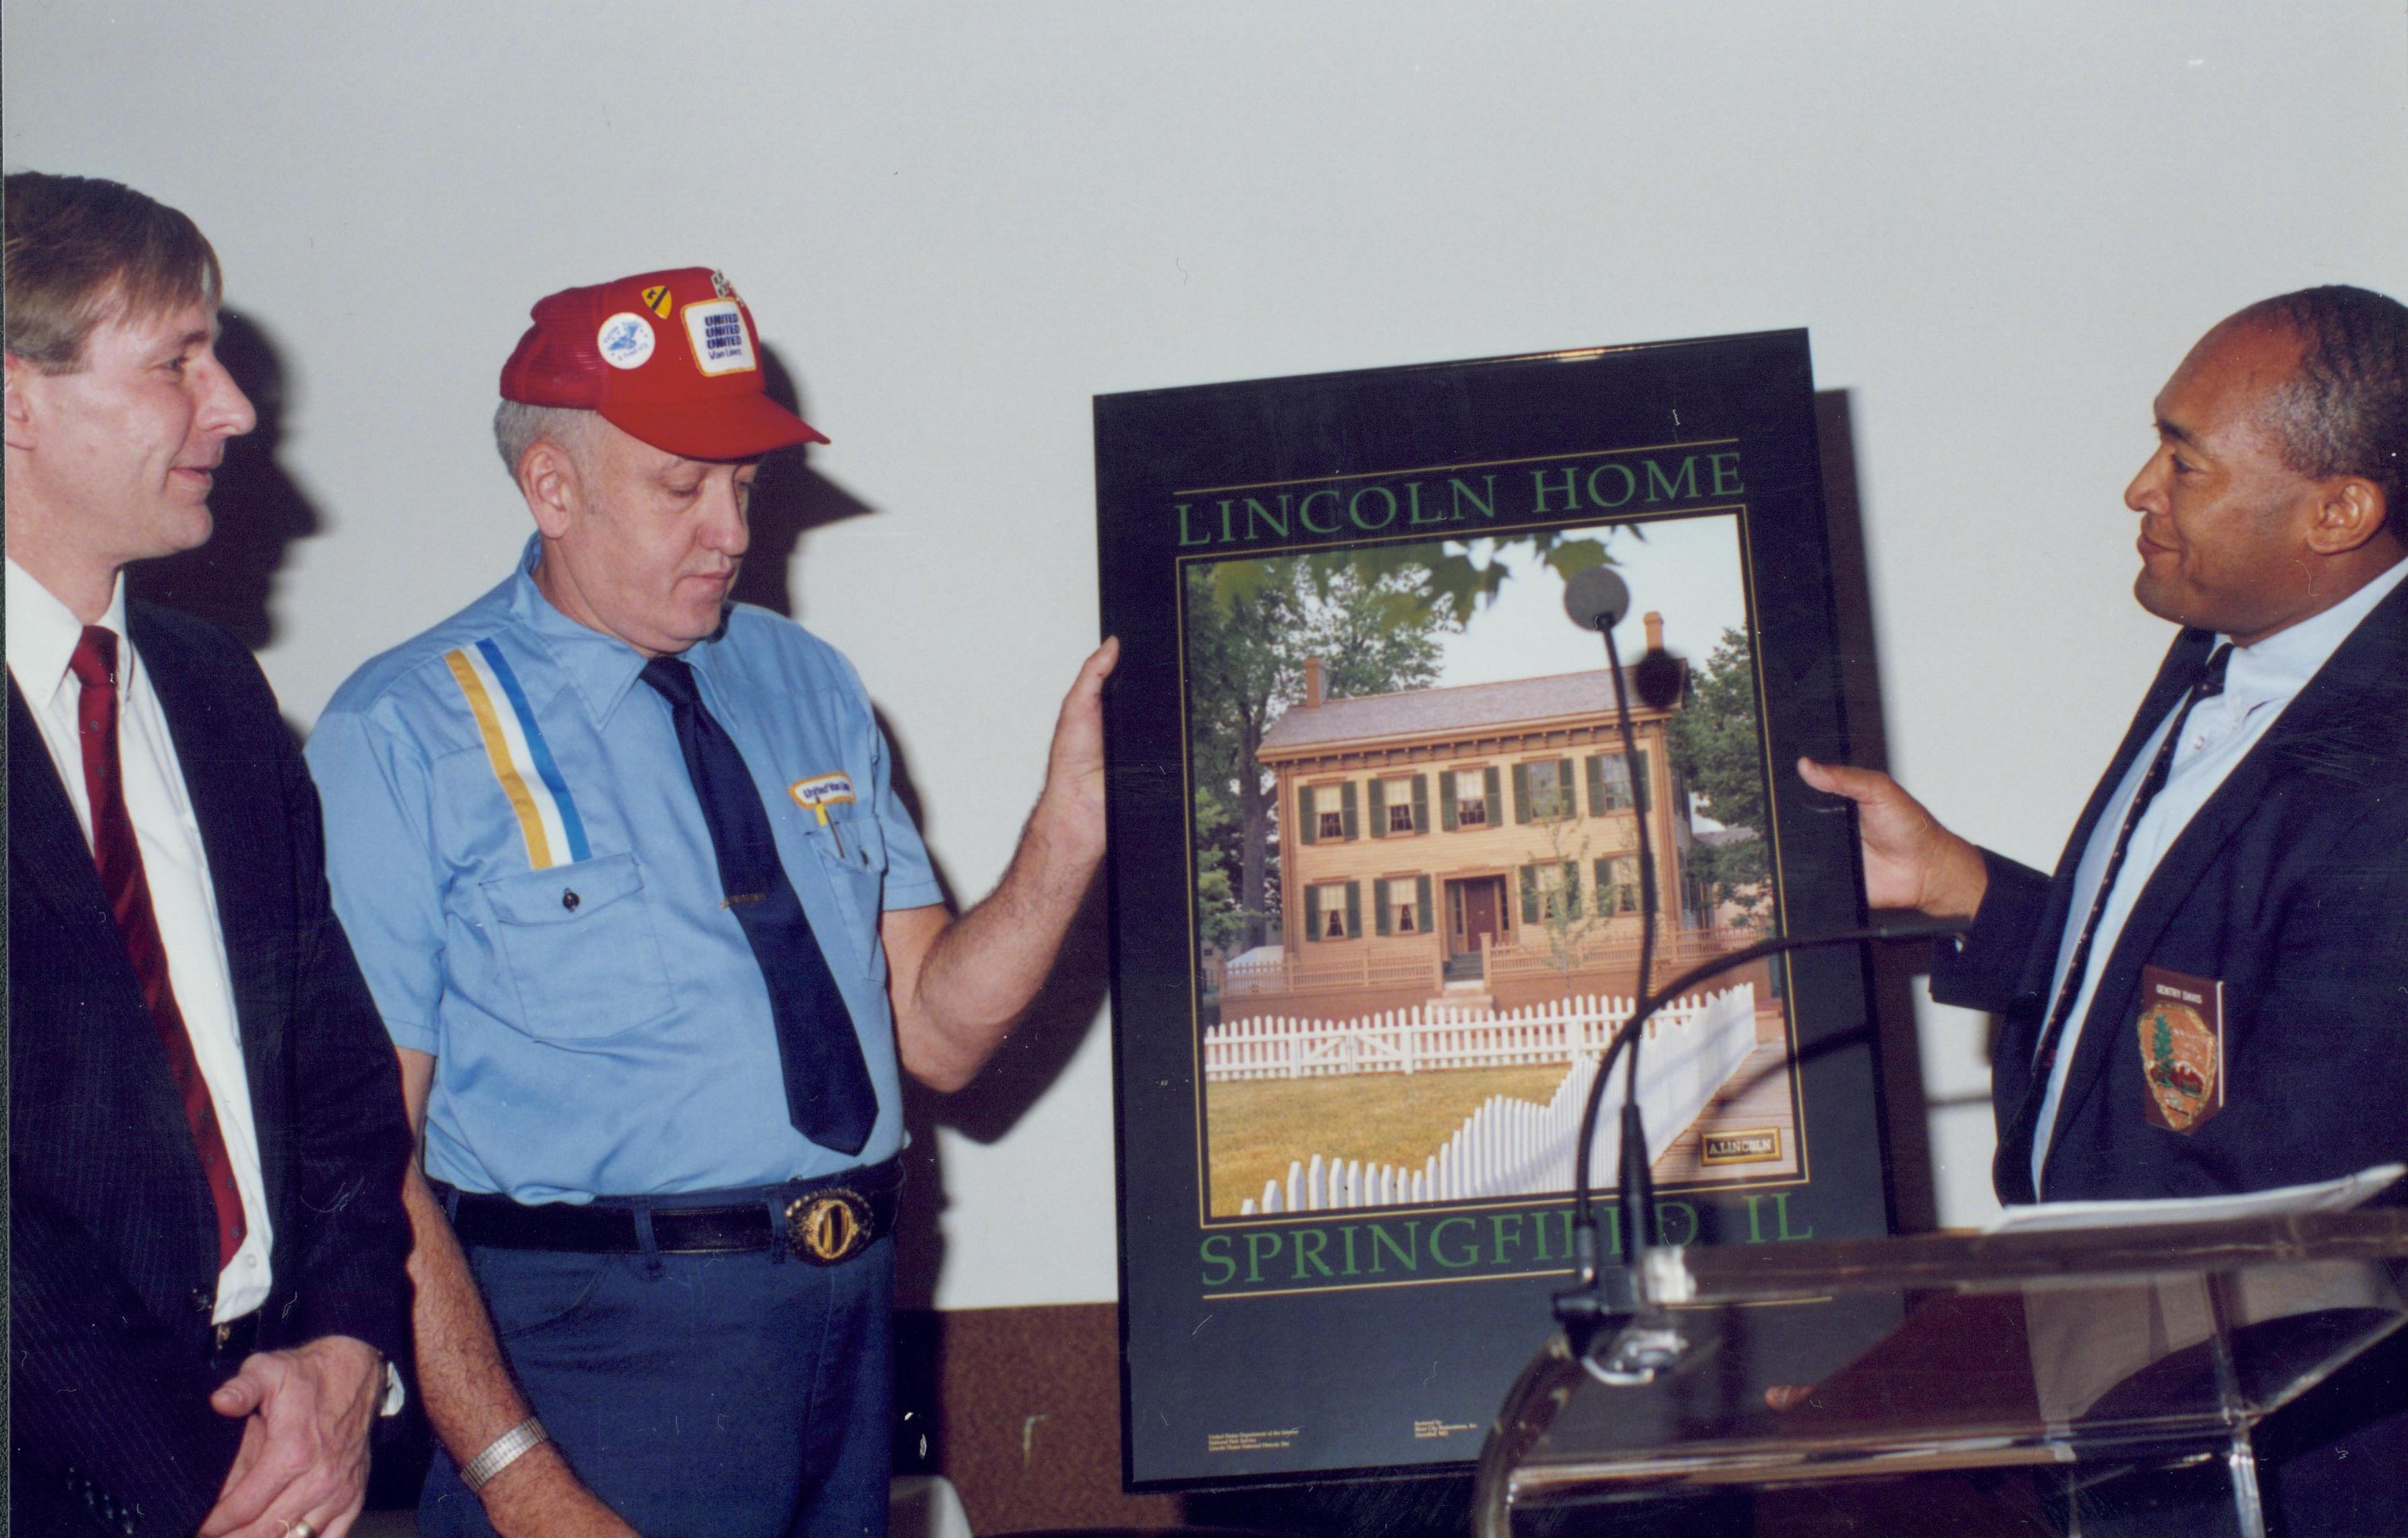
(1227, 1382)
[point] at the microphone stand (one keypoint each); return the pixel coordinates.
(1627, 1297)
(1630, 1297)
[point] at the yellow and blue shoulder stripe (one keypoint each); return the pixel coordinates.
(521, 761)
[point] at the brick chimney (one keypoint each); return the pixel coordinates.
(1312, 683)
(1655, 622)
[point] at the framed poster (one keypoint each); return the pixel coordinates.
(1374, 874)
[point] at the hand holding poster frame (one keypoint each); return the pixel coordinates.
(1374, 885)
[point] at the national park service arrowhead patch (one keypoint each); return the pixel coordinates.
(2182, 1048)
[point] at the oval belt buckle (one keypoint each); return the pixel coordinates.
(827, 1226)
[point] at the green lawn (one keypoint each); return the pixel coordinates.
(1254, 1127)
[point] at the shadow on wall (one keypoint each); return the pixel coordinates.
(1898, 1059)
(259, 511)
(789, 500)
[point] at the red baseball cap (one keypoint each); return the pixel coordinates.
(668, 357)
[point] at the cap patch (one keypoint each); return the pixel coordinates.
(657, 298)
(722, 344)
(626, 340)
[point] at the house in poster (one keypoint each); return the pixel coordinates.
(1476, 845)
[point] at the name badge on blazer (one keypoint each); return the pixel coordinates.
(2182, 1048)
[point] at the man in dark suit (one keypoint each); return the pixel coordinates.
(2211, 993)
(206, 1279)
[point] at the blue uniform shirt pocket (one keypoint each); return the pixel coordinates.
(851, 853)
(581, 948)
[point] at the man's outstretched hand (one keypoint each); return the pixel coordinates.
(1911, 861)
(1074, 768)
(305, 1439)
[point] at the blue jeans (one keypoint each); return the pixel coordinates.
(723, 1396)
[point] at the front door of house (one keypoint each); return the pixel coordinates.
(1476, 909)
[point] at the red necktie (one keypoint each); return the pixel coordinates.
(120, 861)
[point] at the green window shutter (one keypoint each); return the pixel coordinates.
(1572, 889)
(1307, 829)
(1596, 807)
(1422, 903)
(1312, 913)
(1380, 919)
(1638, 780)
(1346, 810)
(1379, 793)
(1446, 799)
(1496, 807)
(1421, 803)
(1354, 909)
(1520, 793)
(1567, 795)
(1603, 872)
(1530, 894)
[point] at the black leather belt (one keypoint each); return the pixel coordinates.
(825, 1222)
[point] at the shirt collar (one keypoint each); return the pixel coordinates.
(2280, 665)
(43, 634)
(600, 667)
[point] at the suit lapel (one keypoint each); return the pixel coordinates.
(2013, 1080)
(46, 842)
(219, 778)
(50, 863)
(2182, 663)
(2350, 712)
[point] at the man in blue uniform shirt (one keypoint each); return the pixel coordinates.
(654, 941)
(2245, 847)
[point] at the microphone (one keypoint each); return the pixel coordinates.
(1596, 598)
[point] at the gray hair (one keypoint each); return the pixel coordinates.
(2345, 410)
(518, 427)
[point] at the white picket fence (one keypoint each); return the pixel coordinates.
(1511, 1148)
(1411, 1041)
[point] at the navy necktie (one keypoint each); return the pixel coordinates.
(828, 1094)
(2209, 684)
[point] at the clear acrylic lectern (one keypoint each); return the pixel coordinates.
(2107, 1352)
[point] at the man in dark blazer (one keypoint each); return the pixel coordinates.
(206, 1279)
(2210, 995)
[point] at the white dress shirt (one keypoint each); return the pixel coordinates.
(2259, 683)
(42, 636)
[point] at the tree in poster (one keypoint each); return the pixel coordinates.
(1715, 745)
(1250, 624)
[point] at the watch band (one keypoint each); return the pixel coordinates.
(503, 1451)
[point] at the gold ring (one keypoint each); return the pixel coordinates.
(301, 1528)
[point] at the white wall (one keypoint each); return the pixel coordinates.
(2003, 224)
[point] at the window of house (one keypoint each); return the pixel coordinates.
(1609, 784)
(1556, 899)
(1549, 795)
(1327, 812)
(1470, 798)
(1332, 910)
(1617, 884)
(1400, 816)
(1400, 905)
(1613, 775)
